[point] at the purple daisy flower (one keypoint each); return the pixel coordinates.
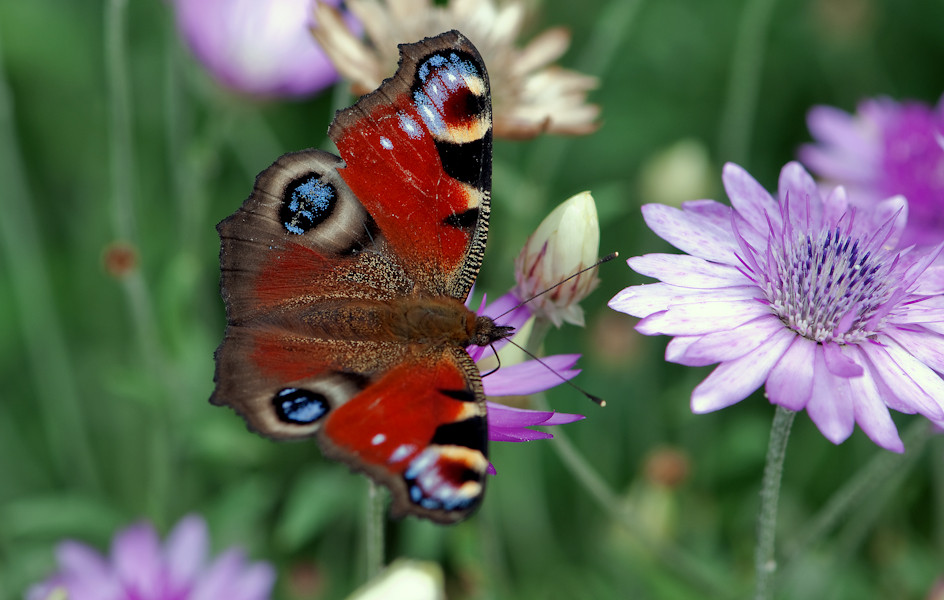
(140, 568)
(258, 47)
(506, 424)
(887, 148)
(802, 293)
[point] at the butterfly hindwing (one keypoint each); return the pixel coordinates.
(420, 429)
(344, 279)
(408, 416)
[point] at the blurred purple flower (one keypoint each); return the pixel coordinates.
(506, 424)
(887, 148)
(802, 293)
(258, 47)
(141, 568)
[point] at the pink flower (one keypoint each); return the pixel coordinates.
(258, 47)
(507, 424)
(801, 294)
(886, 148)
(141, 568)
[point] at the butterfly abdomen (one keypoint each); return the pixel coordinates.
(436, 320)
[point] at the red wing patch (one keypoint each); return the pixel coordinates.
(421, 426)
(417, 153)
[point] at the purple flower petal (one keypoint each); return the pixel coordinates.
(836, 205)
(847, 152)
(261, 47)
(254, 582)
(531, 377)
(733, 381)
(507, 424)
(559, 418)
(727, 344)
(686, 271)
(796, 185)
(220, 579)
(501, 415)
(185, 551)
(790, 383)
(838, 363)
(689, 234)
(140, 570)
(644, 300)
(516, 435)
(136, 556)
(707, 317)
(926, 346)
(720, 217)
(830, 405)
(78, 559)
(901, 391)
(751, 201)
(870, 412)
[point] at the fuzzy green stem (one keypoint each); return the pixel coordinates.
(765, 563)
(375, 536)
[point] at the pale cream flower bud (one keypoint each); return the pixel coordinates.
(414, 579)
(567, 241)
(678, 173)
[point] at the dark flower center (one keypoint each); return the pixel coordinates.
(828, 287)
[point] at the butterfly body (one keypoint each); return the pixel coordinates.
(345, 280)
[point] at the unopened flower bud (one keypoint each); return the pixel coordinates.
(567, 241)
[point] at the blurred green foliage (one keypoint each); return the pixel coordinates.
(104, 416)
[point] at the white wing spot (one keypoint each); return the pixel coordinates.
(410, 127)
(386, 143)
(402, 452)
(378, 439)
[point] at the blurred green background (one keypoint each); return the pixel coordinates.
(104, 417)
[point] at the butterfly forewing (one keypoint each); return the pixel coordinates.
(418, 154)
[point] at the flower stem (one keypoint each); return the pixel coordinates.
(683, 564)
(879, 471)
(612, 27)
(375, 529)
(135, 285)
(119, 108)
(747, 60)
(63, 418)
(765, 564)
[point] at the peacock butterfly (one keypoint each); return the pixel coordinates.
(345, 279)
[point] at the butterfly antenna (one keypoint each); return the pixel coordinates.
(588, 395)
(606, 258)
